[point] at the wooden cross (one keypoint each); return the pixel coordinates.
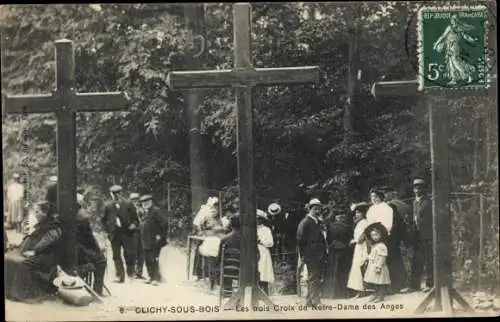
(65, 102)
(442, 292)
(243, 77)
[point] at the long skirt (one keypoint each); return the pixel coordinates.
(355, 280)
(265, 265)
(338, 266)
(26, 279)
(15, 212)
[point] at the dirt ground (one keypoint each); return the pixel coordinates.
(179, 299)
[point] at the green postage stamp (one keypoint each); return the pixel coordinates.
(453, 47)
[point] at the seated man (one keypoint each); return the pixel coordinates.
(90, 255)
(31, 266)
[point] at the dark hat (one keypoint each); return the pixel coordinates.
(380, 227)
(145, 198)
(80, 190)
(387, 188)
(115, 188)
(361, 206)
(379, 192)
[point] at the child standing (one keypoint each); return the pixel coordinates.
(377, 273)
(360, 256)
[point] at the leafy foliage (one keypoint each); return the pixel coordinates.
(300, 144)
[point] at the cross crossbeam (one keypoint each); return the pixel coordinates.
(64, 101)
(79, 102)
(242, 78)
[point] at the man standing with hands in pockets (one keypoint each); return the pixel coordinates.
(120, 222)
(311, 239)
(154, 231)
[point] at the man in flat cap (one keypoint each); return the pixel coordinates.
(421, 238)
(154, 232)
(15, 202)
(139, 250)
(120, 223)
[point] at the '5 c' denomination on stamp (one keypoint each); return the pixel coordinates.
(453, 47)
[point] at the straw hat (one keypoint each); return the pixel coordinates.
(53, 179)
(313, 202)
(418, 182)
(68, 282)
(274, 209)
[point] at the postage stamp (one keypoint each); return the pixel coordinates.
(452, 47)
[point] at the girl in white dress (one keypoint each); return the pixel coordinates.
(377, 272)
(360, 256)
(264, 242)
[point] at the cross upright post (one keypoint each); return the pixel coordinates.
(242, 78)
(442, 292)
(65, 102)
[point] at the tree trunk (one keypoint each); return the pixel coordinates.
(352, 72)
(194, 19)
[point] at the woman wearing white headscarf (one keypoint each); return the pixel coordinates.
(264, 242)
(207, 223)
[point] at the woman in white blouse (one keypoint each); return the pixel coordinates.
(264, 242)
(380, 211)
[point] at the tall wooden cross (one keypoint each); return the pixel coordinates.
(64, 101)
(442, 292)
(243, 77)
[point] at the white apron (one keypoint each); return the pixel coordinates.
(355, 280)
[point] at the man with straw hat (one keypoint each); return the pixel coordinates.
(311, 239)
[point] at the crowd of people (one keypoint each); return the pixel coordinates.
(133, 225)
(348, 254)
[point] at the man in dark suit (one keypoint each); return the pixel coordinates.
(420, 231)
(397, 271)
(120, 223)
(139, 250)
(154, 233)
(311, 239)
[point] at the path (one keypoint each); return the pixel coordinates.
(175, 298)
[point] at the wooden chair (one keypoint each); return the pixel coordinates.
(229, 271)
